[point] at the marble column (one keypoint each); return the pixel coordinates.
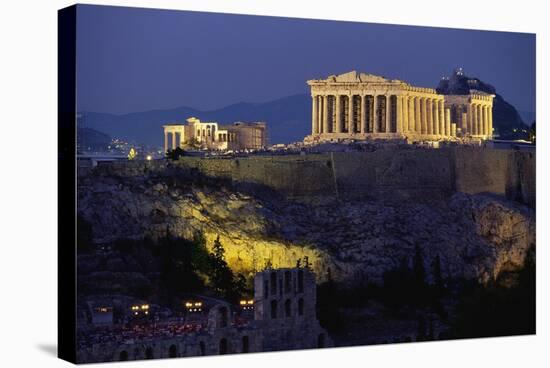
(399, 112)
(412, 121)
(319, 113)
(337, 126)
(173, 140)
(464, 123)
(474, 119)
(442, 117)
(490, 112)
(351, 123)
(374, 113)
(453, 129)
(417, 116)
(448, 122)
(436, 117)
(470, 121)
(165, 141)
(325, 114)
(429, 116)
(486, 120)
(406, 109)
(388, 113)
(363, 115)
(314, 115)
(424, 114)
(479, 120)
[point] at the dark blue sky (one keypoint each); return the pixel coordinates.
(132, 59)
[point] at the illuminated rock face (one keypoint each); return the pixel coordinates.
(475, 236)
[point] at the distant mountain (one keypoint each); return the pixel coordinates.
(288, 119)
(89, 139)
(528, 116)
(507, 121)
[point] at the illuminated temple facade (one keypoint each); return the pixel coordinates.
(362, 106)
(213, 136)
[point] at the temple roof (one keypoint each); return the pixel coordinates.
(354, 77)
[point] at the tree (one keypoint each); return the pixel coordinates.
(132, 154)
(436, 272)
(418, 267)
(532, 132)
(421, 332)
(84, 236)
(306, 262)
(222, 279)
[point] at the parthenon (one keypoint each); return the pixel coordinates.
(360, 106)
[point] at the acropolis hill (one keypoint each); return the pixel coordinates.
(359, 213)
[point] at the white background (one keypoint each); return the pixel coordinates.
(28, 199)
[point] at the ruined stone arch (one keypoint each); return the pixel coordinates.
(288, 308)
(123, 356)
(321, 340)
(273, 309)
(202, 348)
(301, 306)
(224, 346)
(246, 344)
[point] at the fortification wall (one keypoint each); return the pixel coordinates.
(388, 173)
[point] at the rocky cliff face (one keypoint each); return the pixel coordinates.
(475, 236)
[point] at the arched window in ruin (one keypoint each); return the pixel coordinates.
(273, 309)
(202, 348)
(223, 346)
(223, 317)
(287, 308)
(149, 353)
(301, 307)
(173, 351)
(288, 279)
(300, 281)
(321, 340)
(245, 344)
(273, 278)
(123, 356)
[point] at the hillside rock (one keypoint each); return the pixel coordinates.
(475, 236)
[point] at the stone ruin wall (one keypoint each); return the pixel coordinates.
(384, 173)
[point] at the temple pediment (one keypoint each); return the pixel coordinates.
(354, 76)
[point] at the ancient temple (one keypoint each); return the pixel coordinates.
(213, 136)
(361, 106)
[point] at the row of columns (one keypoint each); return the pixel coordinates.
(413, 114)
(479, 119)
(173, 140)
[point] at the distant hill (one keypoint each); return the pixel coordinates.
(288, 119)
(89, 139)
(528, 116)
(507, 122)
